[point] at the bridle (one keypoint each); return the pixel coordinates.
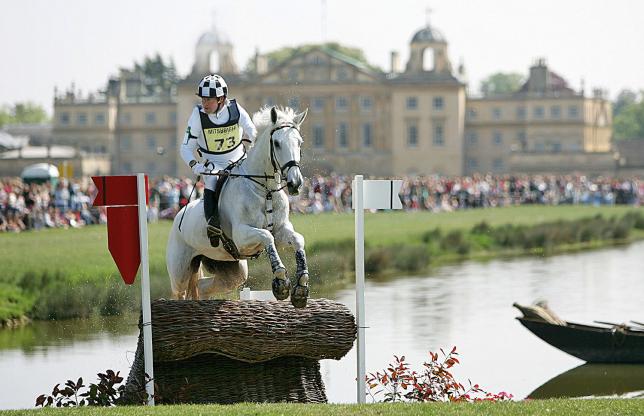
(274, 161)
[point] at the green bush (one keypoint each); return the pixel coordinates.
(378, 259)
(13, 303)
(432, 235)
(481, 228)
(410, 258)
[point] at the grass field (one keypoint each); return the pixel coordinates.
(82, 253)
(533, 407)
(69, 273)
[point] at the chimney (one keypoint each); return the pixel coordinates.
(538, 82)
(395, 62)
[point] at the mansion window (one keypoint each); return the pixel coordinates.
(471, 113)
(317, 104)
(555, 112)
(64, 119)
(151, 143)
(366, 104)
(150, 118)
(412, 103)
(343, 74)
(438, 138)
(412, 134)
(472, 163)
(496, 113)
(538, 112)
(341, 104)
(125, 143)
(99, 119)
(438, 103)
(294, 103)
(367, 139)
(497, 164)
(497, 138)
(573, 111)
(472, 138)
(318, 136)
(173, 118)
(82, 119)
(343, 135)
(521, 113)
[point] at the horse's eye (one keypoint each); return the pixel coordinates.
(277, 144)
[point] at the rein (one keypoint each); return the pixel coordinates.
(274, 162)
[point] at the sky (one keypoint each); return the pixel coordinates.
(56, 43)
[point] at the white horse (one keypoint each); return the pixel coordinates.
(254, 216)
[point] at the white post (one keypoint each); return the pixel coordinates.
(358, 201)
(145, 287)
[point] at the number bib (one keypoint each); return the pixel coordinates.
(222, 139)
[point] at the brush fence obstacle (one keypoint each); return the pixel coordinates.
(223, 351)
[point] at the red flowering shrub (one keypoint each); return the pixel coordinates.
(434, 383)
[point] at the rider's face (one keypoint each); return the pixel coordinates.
(211, 104)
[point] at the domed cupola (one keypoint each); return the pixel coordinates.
(428, 52)
(209, 43)
(428, 34)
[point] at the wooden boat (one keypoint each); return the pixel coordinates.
(614, 343)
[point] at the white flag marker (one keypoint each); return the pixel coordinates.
(370, 194)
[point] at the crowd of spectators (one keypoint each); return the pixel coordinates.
(67, 203)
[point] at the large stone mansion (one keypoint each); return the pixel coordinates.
(416, 119)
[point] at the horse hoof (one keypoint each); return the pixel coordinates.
(281, 288)
(299, 296)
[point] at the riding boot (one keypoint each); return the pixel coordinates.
(213, 228)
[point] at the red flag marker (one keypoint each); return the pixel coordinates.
(123, 240)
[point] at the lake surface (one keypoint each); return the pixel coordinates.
(467, 305)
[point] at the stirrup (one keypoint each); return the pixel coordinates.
(214, 233)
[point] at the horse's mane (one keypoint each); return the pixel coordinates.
(262, 118)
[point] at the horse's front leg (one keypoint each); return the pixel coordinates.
(246, 236)
(300, 291)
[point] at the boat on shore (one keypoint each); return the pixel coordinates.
(610, 343)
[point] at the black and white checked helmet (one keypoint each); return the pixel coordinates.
(212, 86)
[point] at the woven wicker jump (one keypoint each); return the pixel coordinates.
(222, 351)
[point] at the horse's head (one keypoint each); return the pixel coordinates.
(286, 147)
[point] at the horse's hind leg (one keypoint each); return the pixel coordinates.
(183, 267)
(226, 276)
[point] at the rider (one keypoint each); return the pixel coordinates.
(216, 130)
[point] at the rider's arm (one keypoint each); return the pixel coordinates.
(250, 132)
(190, 142)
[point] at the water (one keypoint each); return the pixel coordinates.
(466, 305)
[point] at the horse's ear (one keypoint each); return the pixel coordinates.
(273, 115)
(299, 118)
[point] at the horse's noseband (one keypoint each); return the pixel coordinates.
(274, 160)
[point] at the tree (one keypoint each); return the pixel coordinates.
(22, 113)
(624, 99)
(628, 121)
(501, 83)
(158, 75)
